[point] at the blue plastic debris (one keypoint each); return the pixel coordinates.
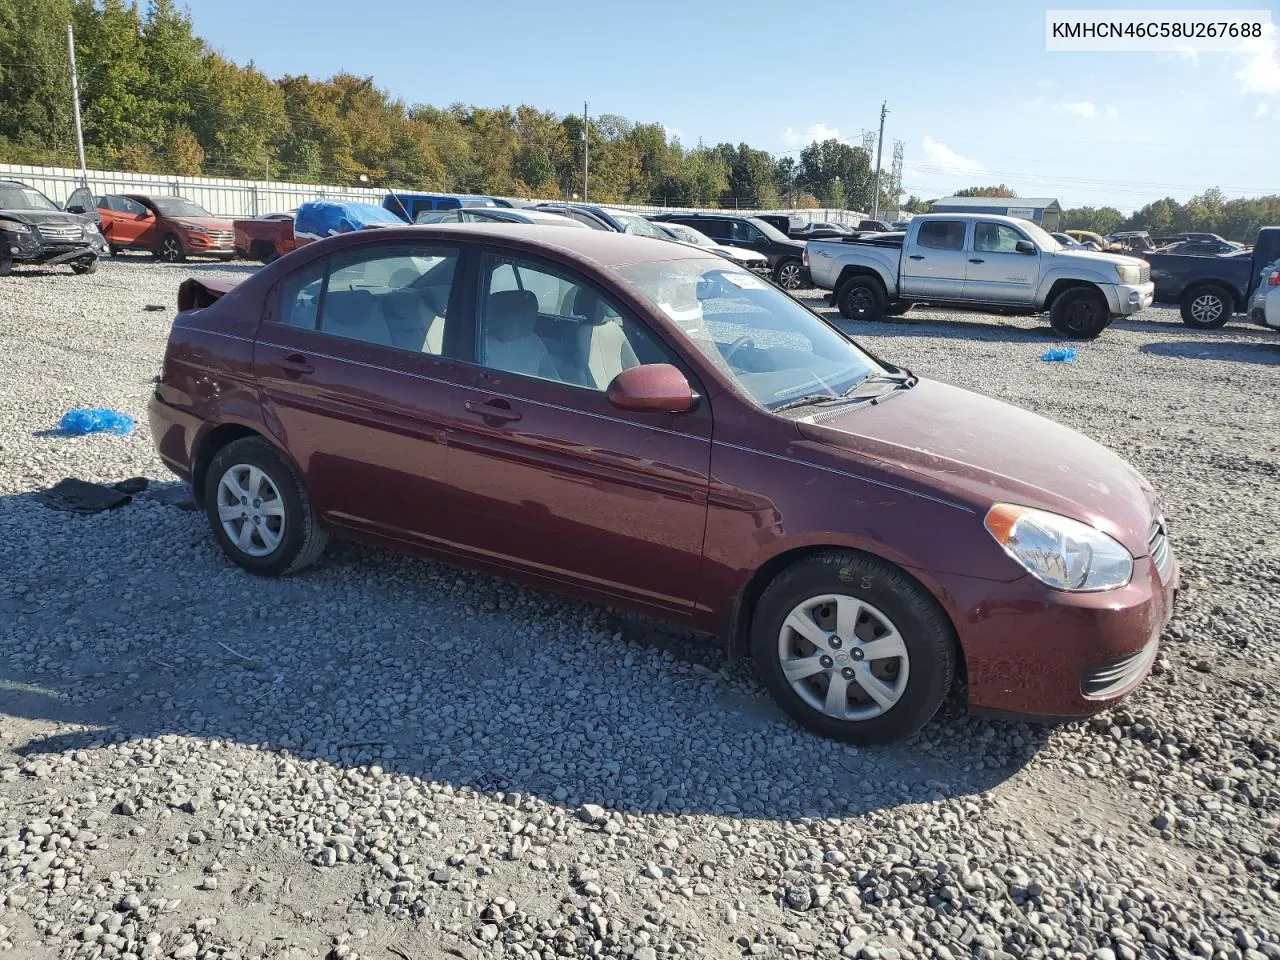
(96, 420)
(1059, 355)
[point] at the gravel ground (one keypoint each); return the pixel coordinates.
(195, 763)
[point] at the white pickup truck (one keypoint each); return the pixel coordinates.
(982, 262)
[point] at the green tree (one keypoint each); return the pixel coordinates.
(241, 122)
(837, 173)
(35, 85)
(1101, 220)
(999, 190)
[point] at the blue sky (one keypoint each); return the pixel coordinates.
(974, 95)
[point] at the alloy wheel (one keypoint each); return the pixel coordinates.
(1206, 308)
(171, 249)
(251, 510)
(843, 657)
(789, 276)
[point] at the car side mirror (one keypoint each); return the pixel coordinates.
(652, 388)
(75, 208)
(1025, 246)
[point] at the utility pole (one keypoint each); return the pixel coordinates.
(586, 150)
(875, 203)
(75, 104)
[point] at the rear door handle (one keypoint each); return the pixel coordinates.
(916, 256)
(495, 408)
(973, 260)
(296, 365)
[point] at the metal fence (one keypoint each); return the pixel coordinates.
(251, 198)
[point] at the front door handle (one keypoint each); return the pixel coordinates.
(493, 409)
(916, 256)
(296, 365)
(975, 260)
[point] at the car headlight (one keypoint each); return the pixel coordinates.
(1058, 551)
(1129, 273)
(13, 226)
(90, 229)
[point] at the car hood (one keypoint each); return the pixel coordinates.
(37, 217)
(983, 451)
(1098, 256)
(207, 223)
(739, 253)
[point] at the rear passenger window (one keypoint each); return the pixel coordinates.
(394, 297)
(941, 235)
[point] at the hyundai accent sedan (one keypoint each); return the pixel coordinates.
(645, 425)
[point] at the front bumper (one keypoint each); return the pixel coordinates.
(1031, 651)
(1128, 298)
(31, 248)
(202, 244)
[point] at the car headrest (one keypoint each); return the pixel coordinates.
(588, 305)
(511, 314)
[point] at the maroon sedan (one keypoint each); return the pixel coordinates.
(635, 422)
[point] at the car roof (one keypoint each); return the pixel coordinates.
(603, 248)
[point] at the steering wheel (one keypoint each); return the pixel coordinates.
(743, 341)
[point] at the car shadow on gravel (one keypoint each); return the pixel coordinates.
(1238, 351)
(429, 671)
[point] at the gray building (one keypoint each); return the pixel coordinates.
(1045, 211)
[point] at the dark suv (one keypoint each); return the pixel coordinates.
(34, 230)
(785, 255)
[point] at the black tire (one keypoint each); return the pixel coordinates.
(1207, 307)
(303, 539)
(862, 298)
(789, 274)
(85, 266)
(1080, 313)
(6, 265)
(926, 634)
(169, 249)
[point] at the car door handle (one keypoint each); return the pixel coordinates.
(296, 365)
(916, 256)
(494, 409)
(976, 260)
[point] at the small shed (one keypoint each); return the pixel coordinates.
(1044, 211)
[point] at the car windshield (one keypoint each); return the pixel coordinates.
(15, 196)
(178, 207)
(776, 350)
(690, 235)
(1043, 239)
(768, 229)
(637, 225)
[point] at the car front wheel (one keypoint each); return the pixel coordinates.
(789, 275)
(1206, 308)
(1080, 314)
(170, 249)
(259, 510)
(852, 648)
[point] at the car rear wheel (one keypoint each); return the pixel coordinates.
(1080, 314)
(789, 275)
(170, 249)
(259, 510)
(852, 648)
(861, 298)
(1206, 308)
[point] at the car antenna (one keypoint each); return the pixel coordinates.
(402, 206)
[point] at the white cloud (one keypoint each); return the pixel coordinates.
(940, 155)
(1261, 70)
(1112, 112)
(1081, 108)
(815, 134)
(674, 133)
(1261, 110)
(1188, 53)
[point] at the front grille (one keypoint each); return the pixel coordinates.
(1106, 679)
(1161, 555)
(1144, 273)
(56, 232)
(221, 236)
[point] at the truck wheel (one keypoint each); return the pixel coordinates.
(861, 299)
(1080, 314)
(1207, 308)
(169, 249)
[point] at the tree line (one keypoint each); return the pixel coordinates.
(155, 98)
(1209, 212)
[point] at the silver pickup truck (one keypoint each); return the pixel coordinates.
(982, 262)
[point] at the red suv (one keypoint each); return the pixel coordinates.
(173, 228)
(650, 426)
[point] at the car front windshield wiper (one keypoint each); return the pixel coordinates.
(880, 383)
(808, 400)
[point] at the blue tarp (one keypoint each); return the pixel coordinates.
(324, 218)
